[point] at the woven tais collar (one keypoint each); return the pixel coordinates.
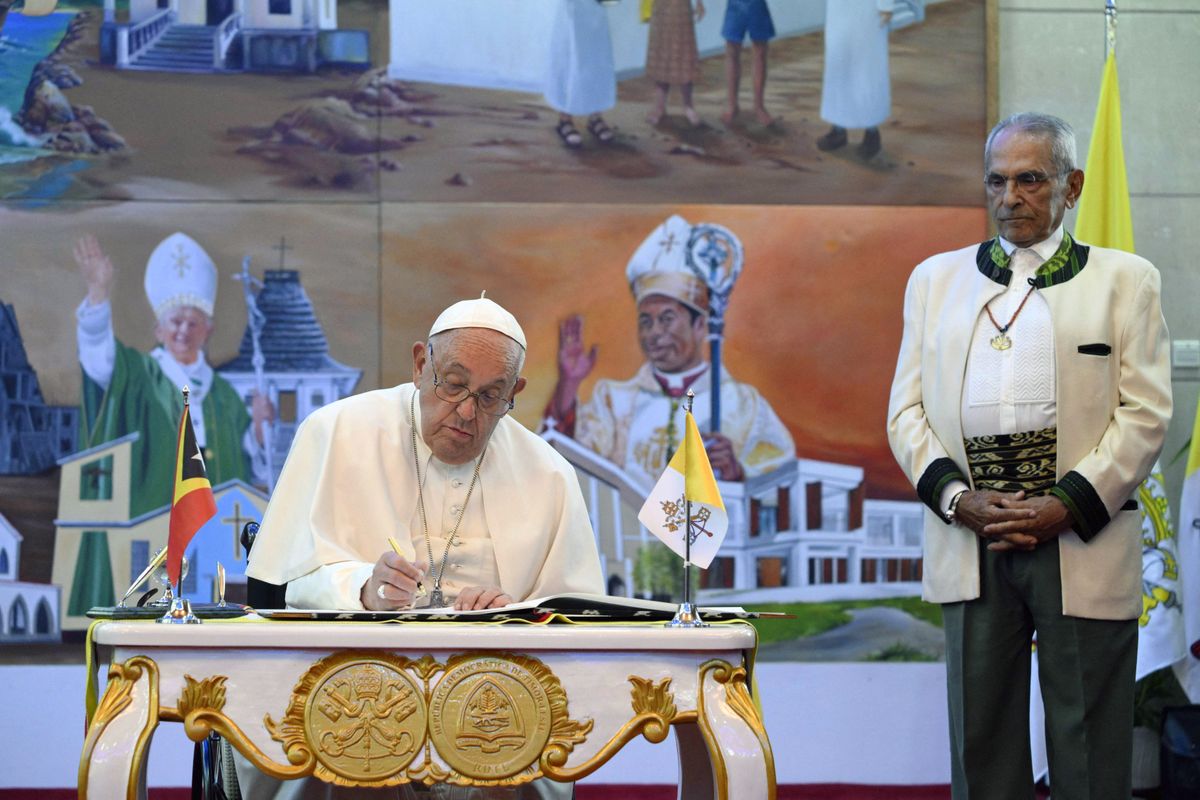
(1067, 262)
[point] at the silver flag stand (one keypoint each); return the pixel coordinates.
(180, 612)
(687, 615)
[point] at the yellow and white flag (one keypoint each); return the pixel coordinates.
(1188, 670)
(1104, 217)
(689, 476)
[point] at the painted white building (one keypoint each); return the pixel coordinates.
(28, 611)
(805, 527)
(230, 35)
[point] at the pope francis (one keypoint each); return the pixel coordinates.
(483, 510)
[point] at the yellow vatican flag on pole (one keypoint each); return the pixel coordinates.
(1105, 220)
(1188, 670)
(689, 477)
(1104, 217)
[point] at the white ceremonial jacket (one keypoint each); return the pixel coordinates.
(1113, 404)
(349, 483)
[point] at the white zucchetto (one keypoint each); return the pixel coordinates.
(481, 313)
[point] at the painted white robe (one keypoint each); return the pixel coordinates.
(627, 422)
(580, 76)
(856, 90)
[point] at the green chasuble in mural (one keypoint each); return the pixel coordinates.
(140, 397)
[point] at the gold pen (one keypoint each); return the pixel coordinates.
(411, 559)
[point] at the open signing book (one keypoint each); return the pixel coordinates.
(569, 607)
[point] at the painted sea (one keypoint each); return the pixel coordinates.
(24, 41)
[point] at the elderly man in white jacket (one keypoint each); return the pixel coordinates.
(1031, 398)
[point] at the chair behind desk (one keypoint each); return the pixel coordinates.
(213, 776)
(260, 594)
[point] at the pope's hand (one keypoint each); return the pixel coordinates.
(393, 583)
(475, 597)
(95, 267)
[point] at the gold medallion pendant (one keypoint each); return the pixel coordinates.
(1001, 341)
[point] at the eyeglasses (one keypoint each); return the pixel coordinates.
(489, 401)
(1026, 181)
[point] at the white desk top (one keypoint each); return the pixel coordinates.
(254, 632)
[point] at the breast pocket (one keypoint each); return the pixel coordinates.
(1093, 379)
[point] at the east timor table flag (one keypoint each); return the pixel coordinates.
(193, 503)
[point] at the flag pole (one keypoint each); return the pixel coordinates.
(180, 612)
(1110, 27)
(687, 615)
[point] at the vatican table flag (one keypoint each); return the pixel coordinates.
(689, 476)
(1188, 670)
(193, 503)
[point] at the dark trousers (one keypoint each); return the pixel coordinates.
(1086, 670)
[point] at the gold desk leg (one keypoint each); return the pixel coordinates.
(743, 767)
(113, 761)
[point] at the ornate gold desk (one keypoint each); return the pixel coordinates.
(371, 704)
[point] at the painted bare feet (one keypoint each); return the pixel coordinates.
(730, 115)
(762, 116)
(655, 116)
(692, 117)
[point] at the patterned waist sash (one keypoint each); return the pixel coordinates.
(1014, 462)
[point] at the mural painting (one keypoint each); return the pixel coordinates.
(120, 320)
(479, 100)
(274, 221)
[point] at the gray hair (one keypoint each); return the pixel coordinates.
(1058, 131)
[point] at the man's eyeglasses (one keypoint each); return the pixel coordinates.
(489, 401)
(1026, 181)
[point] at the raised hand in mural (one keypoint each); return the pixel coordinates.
(95, 267)
(574, 365)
